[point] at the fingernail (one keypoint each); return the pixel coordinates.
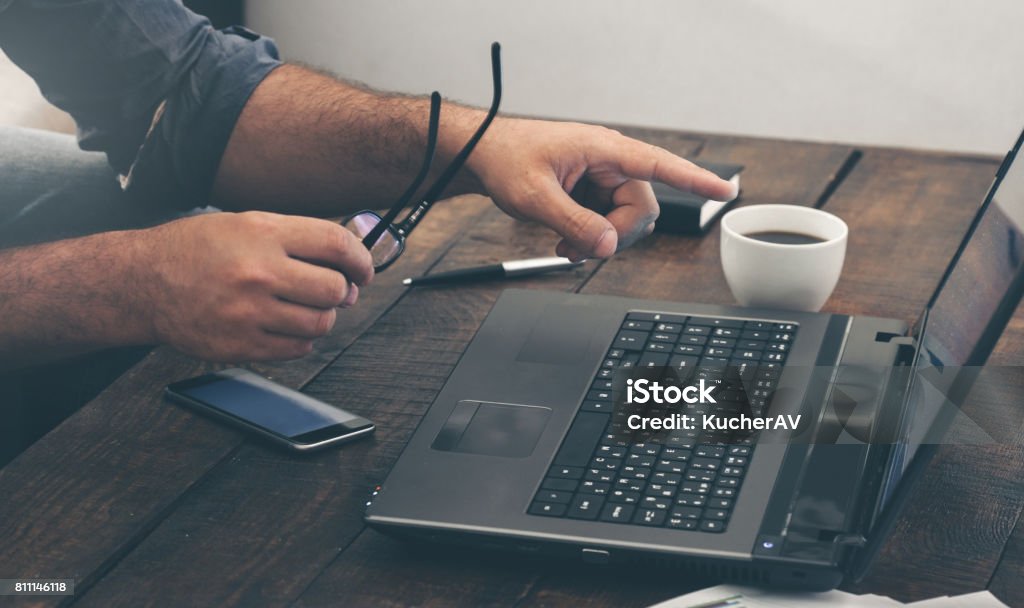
(597, 246)
(734, 189)
(353, 295)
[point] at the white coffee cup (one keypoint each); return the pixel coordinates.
(786, 276)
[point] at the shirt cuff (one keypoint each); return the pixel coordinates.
(178, 160)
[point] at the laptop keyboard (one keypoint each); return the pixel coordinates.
(679, 479)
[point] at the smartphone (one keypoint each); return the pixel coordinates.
(276, 412)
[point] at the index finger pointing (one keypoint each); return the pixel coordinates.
(648, 162)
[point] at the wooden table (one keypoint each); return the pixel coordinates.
(143, 502)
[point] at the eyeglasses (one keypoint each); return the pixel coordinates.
(381, 235)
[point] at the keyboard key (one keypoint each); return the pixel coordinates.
(599, 395)
(697, 330)
(656, 316)
(680, 524)
(779, 347)
(759, 325)
(649, 517)
(638, 325)
(659, 347)
(585, 506)
(595, 487)
(786, 327)
(751, 344)
(718, 352)
(597, 406)
(709, 451)
(616, 353)
(691, 500)
(723, 342)
(566, 472)
(689, 349)
(670, 466)
(655, 502)
(547, 508)
(605, 464)
(624, 496)
(694, 487)
(670, 479)
(554, 496)
(739, 450)
(715, 322)
(686, 512)
(726, 332)
(555, 483)
(694, 340)
(755, 335)
(653, 360)
(715, 514)
(616, 512)
(669, 328)
(720, 503)
(700, 475)
(712, 525)
(781, 337)
(663, 337)
(630, 340)
(599, 475)
(660, 490)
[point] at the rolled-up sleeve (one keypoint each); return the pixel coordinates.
(148, 82)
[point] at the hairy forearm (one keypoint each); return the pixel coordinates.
(69, 297)
(309, 143)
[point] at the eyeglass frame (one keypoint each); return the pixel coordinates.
(400, 230)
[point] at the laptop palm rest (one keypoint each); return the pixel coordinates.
(492, 429)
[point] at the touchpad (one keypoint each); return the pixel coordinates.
(492, 429)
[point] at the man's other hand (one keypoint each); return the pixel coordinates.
(251, 286)
(589, 184)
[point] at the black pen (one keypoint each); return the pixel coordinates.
(514, 268)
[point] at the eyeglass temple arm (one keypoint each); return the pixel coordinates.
(428, 160)
(431, 195)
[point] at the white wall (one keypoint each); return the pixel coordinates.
(915, 73)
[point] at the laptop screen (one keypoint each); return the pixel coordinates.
(980, 280)
(968, 311)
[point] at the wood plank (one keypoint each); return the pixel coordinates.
(85, 494)
(268, 522)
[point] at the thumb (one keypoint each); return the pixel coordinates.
(585, 234)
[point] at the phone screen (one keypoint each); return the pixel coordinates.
(268, 405)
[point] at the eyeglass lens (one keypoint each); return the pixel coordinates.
(388, 246)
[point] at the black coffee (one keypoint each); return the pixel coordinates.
(785, 238)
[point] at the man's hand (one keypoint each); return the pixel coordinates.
(589, 184)
(251, 286)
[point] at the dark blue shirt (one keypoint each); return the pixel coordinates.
(149, 83)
